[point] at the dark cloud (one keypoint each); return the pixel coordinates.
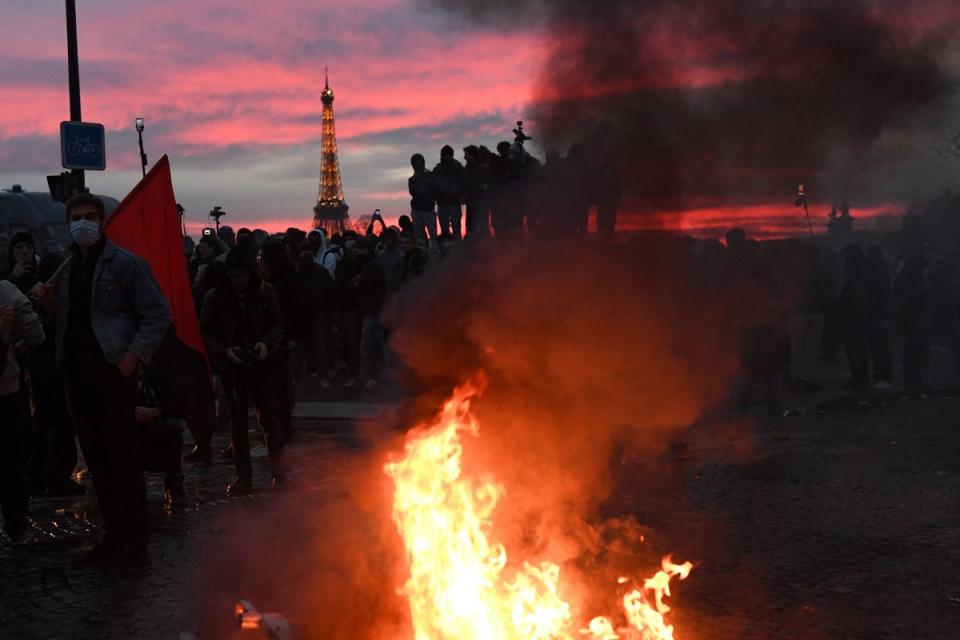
(739, 100)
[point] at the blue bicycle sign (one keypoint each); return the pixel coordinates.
(82, 146)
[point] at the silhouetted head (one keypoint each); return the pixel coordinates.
(417, 162)
(390, 238)
(446, 153)
(736, 239)
(471, 153)
(503, 148)
(240, 269)
(227, 236)
(406, 224)
(407, 243)
(274, 259)
(209, 246)
(21, 247)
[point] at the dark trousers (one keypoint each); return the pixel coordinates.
(914, 352)
(14, 500)
(283, 393)
(773, 387)
(855, 342)
(103, 403)
(352, 330)
(321, 346)
(606, 219)
(54, 446)
(161, 446)
(878, 343)
(241, 384)
(478, 223)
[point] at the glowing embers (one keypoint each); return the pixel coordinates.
(460, 587)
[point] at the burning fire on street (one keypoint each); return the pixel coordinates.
(462, 583)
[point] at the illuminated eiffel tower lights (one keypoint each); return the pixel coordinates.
(330, 212)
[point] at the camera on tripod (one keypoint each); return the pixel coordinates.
(519, 136)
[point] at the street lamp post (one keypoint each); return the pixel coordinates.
(73, 75)
(143, 156)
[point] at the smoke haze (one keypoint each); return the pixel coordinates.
(737, 102)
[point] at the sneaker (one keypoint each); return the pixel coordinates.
(350, 383)
(370, 384)
(325, 383)
(199, 456)
(882, 385)
(241, 486)
(227, 454)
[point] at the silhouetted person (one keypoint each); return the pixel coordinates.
(406, 224)
(370, 290)
(23, 261)
(110, 316)
(242, 324)
(209, 267)
(299, 312)
(815, 291)
(54, 445)
(477, 180)
(910, 289)
(449, 185)
(506, 212)
(765, 342)
(414, 257)
(877, 278)
(226, 235)
(853, 317)
(608, 191)
(21, 331)
(422, 201)
(579, 190)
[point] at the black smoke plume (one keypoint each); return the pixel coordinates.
(702, 101)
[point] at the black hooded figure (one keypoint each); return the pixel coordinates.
(242, 326)
(299, 311)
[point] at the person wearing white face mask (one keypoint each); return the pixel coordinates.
(109, 315)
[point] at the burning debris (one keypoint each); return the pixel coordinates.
(461, 586)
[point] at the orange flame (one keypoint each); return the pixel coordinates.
(460, 586)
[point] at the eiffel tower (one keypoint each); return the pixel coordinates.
(330, 212)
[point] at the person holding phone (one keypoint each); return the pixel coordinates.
(23, 259)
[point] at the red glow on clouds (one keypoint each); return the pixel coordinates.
(231, 83)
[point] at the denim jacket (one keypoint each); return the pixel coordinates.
(128, 311)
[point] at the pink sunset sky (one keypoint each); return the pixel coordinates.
(231, 92)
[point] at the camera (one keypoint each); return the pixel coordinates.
(519, 136)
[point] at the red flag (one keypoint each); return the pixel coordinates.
(147, 224)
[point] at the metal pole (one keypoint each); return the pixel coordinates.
(143, 156)
(73, 74)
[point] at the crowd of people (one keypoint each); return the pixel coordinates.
(80, 328)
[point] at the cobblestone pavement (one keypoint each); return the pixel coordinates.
(842, 523)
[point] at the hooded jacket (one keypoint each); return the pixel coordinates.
(324, 257)
(25, 327)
